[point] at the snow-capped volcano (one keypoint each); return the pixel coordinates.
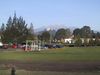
(54, 27)
(57, 26)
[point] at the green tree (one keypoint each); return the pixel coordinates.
(91, 42)
(2, 29)
(45, 36)
(16, 30)
(85, 43)
(87, 31)
(84, 32)
(97, 42)
(78, 33)
(31, 34)
(31, 29)
(61, 33)
(6, 34)
(78, 42)
(93, 34)
(68, 33)
(98, 35)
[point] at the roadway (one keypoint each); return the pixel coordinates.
(11, 49)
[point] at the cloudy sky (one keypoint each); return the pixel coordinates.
(47, 12)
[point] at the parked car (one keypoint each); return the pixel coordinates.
(14, 46)
(24, 47)
(49, 46)
(4, 47)
(54, 46)
(58, 46)
(44, 47)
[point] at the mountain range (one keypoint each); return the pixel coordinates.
(53, 27)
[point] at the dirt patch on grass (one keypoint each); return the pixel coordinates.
(59, 66)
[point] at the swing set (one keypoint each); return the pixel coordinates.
(33, 45)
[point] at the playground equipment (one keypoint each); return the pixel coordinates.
(33, 45)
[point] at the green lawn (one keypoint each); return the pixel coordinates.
(67, 54)
(71, 54)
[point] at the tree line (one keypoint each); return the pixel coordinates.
(17, 31)
(86, 33)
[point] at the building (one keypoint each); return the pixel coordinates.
(68, 40)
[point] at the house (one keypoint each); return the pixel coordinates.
(62, 40)
(68, 40)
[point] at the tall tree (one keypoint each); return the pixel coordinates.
(31, 34)
(78, 42)
(91, 42)
(97, 42)
(31, 29)
(45, 36)
(84, 32)
(87, 31)
(61, 33)
(2, 29)
(68, 33)
(78, 33)
(16, 30)
(85, 42)
(98, 35)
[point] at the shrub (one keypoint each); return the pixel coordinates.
(78, 43)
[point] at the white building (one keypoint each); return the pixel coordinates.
(68, 40)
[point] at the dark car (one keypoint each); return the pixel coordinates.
(58, 46)
(54, 46)
(49, 46)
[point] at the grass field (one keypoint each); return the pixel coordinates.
(71, 54)
(66, 54)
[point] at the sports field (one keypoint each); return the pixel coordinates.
(65, 61)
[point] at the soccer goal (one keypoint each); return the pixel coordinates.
(33, 45)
